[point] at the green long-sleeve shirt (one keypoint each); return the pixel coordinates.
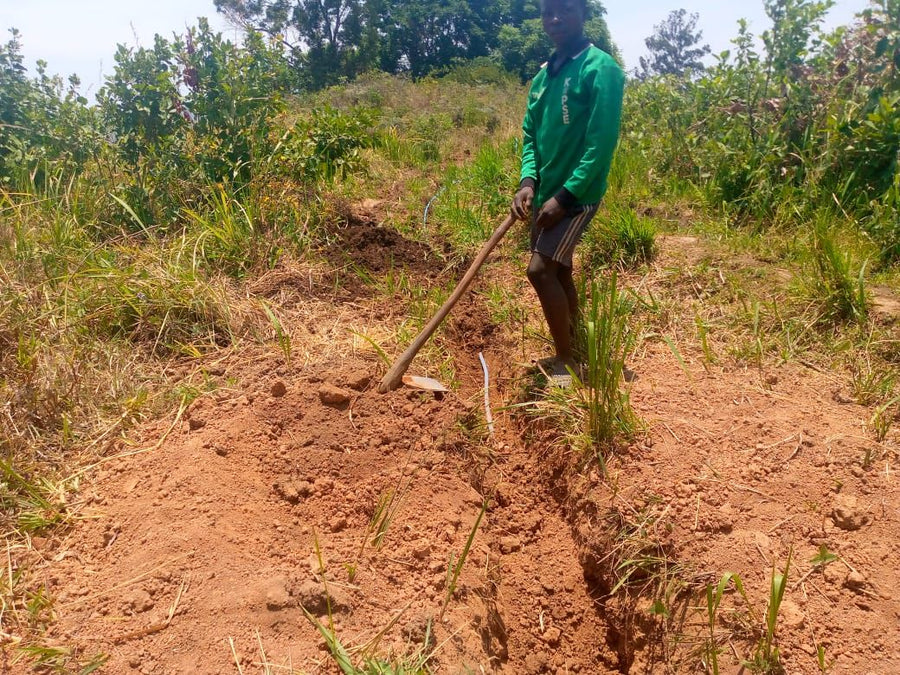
(571, 127)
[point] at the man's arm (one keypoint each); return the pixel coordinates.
(522, 201)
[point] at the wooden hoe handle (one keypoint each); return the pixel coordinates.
(394, 375)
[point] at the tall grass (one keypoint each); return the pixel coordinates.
(618, 237)
(605, 342)
(837, 283)
(595, 414)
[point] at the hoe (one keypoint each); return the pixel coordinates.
(394, 376)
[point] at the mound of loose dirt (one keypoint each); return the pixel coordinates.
(210, 541)
(379, 249)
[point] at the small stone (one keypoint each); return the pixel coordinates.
(331, 395)
(847, 514)
(510, 544)
(791, 615)
(422, 551)
(278, 389)
(855, 581)
(195, 423)
(552, 636)
(358, 380)
(221, 451)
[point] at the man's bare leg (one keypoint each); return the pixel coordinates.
(556, 291)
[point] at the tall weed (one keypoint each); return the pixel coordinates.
(836, 283)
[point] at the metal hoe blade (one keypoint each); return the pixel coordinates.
(425, 383)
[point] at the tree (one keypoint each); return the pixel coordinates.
(324, 37)
(795, 24)
(674, 46)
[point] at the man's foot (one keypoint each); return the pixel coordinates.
(557, 371)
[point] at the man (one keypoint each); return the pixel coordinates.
(570, 130)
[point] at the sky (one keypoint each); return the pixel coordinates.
(80, 36)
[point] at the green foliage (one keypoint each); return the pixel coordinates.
(455, 566)
(602, 337)
(325, 145)
(837, 284)
(522, 45)
(415, 664)
(140, 100)
(775, 137)
(341, 39)
(42, 121)
(788, 43)
(194, 106)
(619, 237)
(595, 414)
(476, 195)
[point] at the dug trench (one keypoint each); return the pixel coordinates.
(295, 486)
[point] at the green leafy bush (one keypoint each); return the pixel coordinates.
(326, 145)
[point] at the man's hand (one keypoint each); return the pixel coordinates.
(521, 205)
(549, 215)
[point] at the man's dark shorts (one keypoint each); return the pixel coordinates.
(558, 243)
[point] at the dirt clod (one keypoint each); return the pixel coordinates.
(139, 601)
(379, 248)
(277, 594)
(855, 581)
(278, 389)
(847, 514)
(311, 595)
(552, 636)
(358, 380)
(510, 544)
(329, 394)
(292, 491)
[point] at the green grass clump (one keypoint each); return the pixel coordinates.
(367, 664)
(621, 237)
(595, 413)
(766, 657)
(836, 282)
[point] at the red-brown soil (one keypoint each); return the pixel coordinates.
(225, 517)
(222, 521)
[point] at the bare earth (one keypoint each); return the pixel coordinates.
(197, 556)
